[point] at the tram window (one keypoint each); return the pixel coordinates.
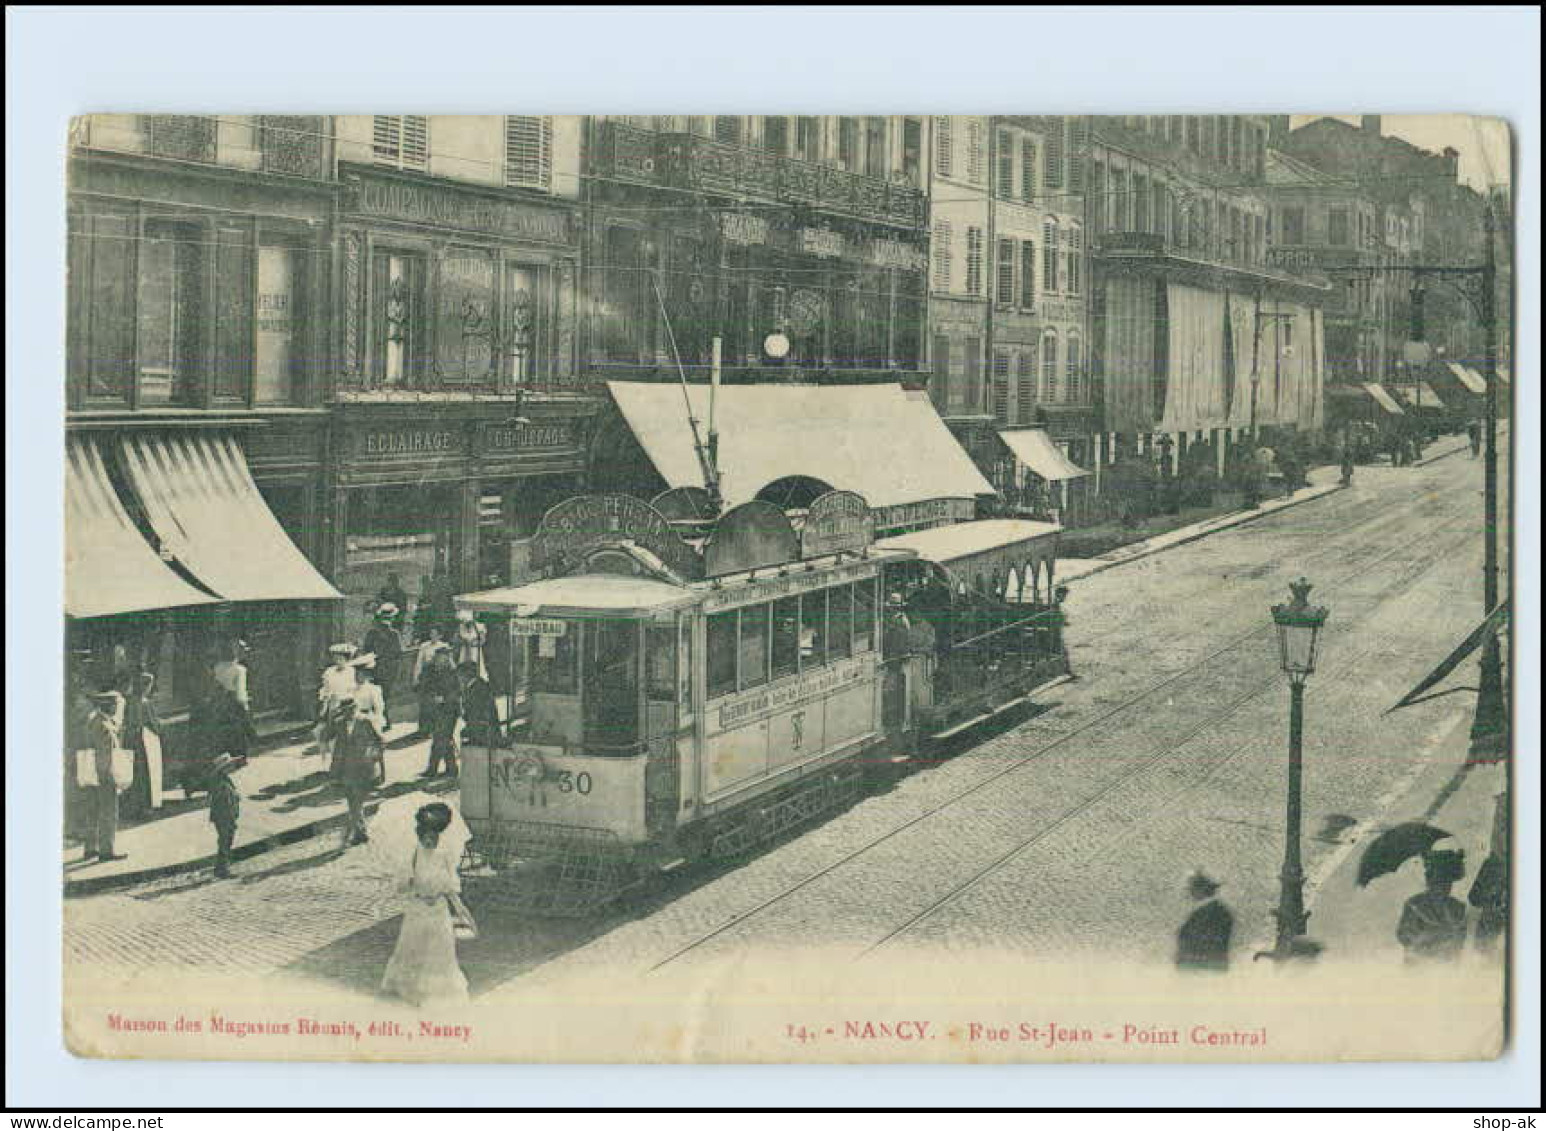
(553, 667)
(786, 636)
(840, 621)
(722, 633)
(660, 664)
(754, 646)
(864, 614)
(813, 629)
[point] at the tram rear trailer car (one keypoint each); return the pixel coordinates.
(666, 719)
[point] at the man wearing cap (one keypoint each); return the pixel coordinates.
(384, 642)
(1432, 926)
(102, 737)
(1202, 943)
(225, 807)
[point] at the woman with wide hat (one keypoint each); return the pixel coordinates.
(423, 969)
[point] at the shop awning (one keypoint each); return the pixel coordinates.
(1421, 395)
(109, 567)
(205, 508)
(1468, 377)
(870, 439)
(1382, 398)
(1035, 449)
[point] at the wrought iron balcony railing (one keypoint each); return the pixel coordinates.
(186, 137)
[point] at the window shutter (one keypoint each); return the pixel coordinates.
(1028, 169)
(528, 151)
(1026, 375)
(976, 156)
(1049, 367)
(1073, 273)
(400, 140)
(1006, 272)
(1006, 168)
(1028, 274)
(1001, 387)
(1075, 359)
(1052, 159)
(1077, 130)
(941, 255)
(943, 146)
(415, 140)
(974, 261)
(1049, 256)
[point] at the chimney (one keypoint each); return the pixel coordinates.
(1451, 163)
(1370, 124)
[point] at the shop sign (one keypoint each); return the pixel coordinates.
(528, 437)
(590, 522)
(837, 521)
(410, 442)
(426, 205)
(787, 585)
(531, 626)
(740, 228)
(929, 512)
(821, 241)
(894, 253)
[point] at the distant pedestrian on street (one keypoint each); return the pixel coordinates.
(1202, 943)
(440, 691)
(1432, 926)
(1347, 464)
(1473, 432)
(383, 642)
(392, 593)
(234, 701)
(103, 728)
(422, 658)
(225, 808)
(338, 683)
(142, 735)
(469, 642)
(480, 715)
(359, 767)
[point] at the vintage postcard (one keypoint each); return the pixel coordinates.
(788, 588)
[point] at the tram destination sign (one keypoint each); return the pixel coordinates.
(591, 522)
(537, 626)
(838, 521)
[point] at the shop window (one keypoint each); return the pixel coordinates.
(866, 609)
(102, 310)
(397, 294)
(813, 630)
(840, 622)
(407, 533)
(786, 636)
(553, 662)
(721, 653)
(660, 663)
(528, 151)
(753, 646)
(231, 371)
(400, 140)
(170, 312)
(280, 353)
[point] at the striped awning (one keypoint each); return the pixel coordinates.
(109, 567)
(206, 510)
(1383, 398)
(1471, 379)
(1421, 395)
(1035, 449)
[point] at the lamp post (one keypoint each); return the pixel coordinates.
(1299, 625)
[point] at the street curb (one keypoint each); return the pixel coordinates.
(100, 884)
(1240, 519)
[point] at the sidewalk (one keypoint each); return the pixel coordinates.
(1323, 481)
(286, 796)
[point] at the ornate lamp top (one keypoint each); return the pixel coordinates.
(1299, 611)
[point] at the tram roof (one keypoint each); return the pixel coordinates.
(961, 540)
(593, 592)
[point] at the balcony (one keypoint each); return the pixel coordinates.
(1154, 248)
(687, 161)
(186, 137)
(284, 145)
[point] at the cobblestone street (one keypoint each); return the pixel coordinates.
(1166, 753)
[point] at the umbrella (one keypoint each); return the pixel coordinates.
(1394, 847)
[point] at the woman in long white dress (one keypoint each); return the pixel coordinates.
(423, 969)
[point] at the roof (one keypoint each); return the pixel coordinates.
(871, 439)
(945, 544)
(1034, 448)
(1284, 171)
(602, 592)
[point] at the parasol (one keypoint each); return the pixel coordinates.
(1394, 847)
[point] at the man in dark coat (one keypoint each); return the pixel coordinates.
(1202, 943)
(441, 693)
(359, 766)
(386, 644)
(1432, 926)
(480, 716)
(103, 728)
(225, 808)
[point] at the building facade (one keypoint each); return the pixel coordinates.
(199, 305)
(1198, 338)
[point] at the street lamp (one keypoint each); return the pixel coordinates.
(1299, 625)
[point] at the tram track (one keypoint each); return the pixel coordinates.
(1161, 756)
(1452, 519)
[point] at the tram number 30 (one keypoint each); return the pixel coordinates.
(569, 782)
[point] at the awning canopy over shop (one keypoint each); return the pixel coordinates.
(109, 567)
(986, 548)
(205, 508)
(1035, 449)
(871, 439)
(1382, 398)
(1468, 377)
(1421, 395)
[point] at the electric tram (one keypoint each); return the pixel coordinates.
(694, 688)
